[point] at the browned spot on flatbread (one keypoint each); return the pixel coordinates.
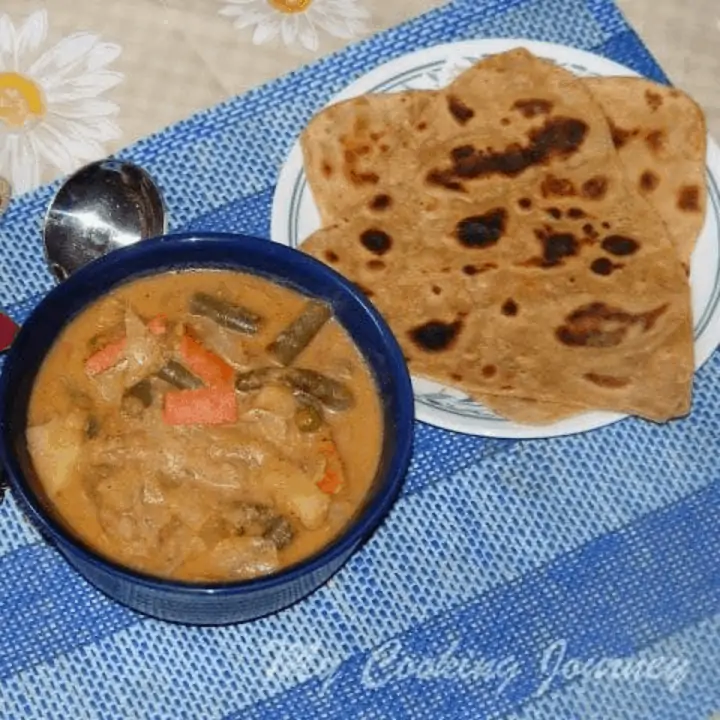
(649, 181)
(436, 289)
(457, 377)
(554, 212)
(559, 137)
(655, 140)
(620, 245)
(364, 178)
(556, 247)
(477, 269)
(525, 203)
(510, 308)
(435, 335)
(482, 231)
(459, 110)
(462, 152)
(595, 188)
(365, 290)
(377, 136)
(590, 231)
(606, 381)
(576, 213)
(331, 256)
(559, 246)
(532, 107)
(436, 177)
(489, 371)
(381, 202)
(553, 185)
(422, 126)
(327, 169)
(653, 99)
(375, 265)
(376, 241)
(689, 198)
(603, 266)
(598, 325)
(620, 136)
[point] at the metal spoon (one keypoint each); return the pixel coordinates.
(103, 206)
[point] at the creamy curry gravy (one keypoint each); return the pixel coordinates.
(165, 443)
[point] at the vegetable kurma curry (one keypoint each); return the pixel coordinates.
(205, 426)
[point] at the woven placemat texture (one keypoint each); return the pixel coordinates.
(577, 577)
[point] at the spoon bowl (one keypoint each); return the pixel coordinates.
(103, 206)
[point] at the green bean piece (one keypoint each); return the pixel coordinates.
(300, 332)
(232, 317)
(308, 418)
(178, 376)
(333, 394)
(142, 391)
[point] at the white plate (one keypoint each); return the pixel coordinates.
(295, 217)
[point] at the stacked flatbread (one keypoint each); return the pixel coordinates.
(525, 233)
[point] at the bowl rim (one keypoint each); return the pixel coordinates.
(82, 281)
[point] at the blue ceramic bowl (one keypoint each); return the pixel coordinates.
(207, 604)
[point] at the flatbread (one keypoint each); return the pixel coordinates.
(512, 257)
(344, 146)
(661, 137)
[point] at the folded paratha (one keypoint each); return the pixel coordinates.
(660, 134)
(661, 137)
(505, 245)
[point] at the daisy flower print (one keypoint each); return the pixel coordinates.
(52, 113)
(298, 21)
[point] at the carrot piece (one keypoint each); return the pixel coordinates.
(204, 406)
(208, 366)
(333, 479)
(158, 325)
(106, 357)
(111, 354)
(330, 483)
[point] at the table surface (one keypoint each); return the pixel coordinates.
(685, 38)
(488, 590)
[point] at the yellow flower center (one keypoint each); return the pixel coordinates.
(21, 100)
(290, 6)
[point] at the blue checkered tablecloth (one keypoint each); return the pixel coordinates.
(573, 578)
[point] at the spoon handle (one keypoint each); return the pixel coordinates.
(8, 330)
